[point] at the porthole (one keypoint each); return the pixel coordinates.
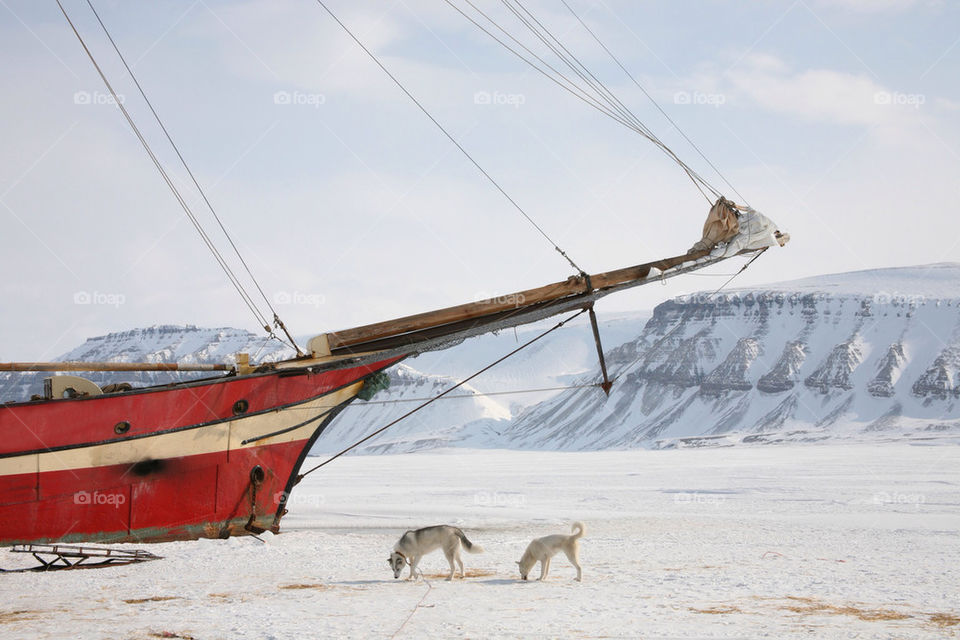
(240, 407)
(121, 428)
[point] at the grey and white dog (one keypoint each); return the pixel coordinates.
(413, 545)
(543, 549)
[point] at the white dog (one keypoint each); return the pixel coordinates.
(413, 545)
(543, 549)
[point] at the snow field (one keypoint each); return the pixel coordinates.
(825, 541)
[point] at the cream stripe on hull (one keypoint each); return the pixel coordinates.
(222, 437)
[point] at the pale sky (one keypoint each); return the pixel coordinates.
(839, 119)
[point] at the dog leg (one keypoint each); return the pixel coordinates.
(573, 555)
(451, 555)
(460, 562)
(414, 561)
(544, 568)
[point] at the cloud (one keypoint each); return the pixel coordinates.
(293, 45)
(817, 94)
(362, 201)
(823, 95)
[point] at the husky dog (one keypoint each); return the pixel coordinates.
(413, 545)
(543, 549)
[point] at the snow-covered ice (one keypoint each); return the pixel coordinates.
(824, 541)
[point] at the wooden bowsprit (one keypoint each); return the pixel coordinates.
(61, 556)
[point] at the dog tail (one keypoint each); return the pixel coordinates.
(469, 546)
(579, 528)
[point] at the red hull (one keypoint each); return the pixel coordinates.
(190, 464)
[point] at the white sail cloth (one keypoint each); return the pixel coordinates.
(756, 232)
(731, 228)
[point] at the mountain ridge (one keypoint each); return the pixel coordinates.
(831, 356)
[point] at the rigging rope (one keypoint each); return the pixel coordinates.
(181, 200)
(653, 348)
(447, 391)
(569, 87)
(450, 137)
(554, 44)
(604, 99)
(567, 58)
(166, 178)
(463, 396)
(203, 194)
(442, 394)
(652, 100)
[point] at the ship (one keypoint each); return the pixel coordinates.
(219, 456)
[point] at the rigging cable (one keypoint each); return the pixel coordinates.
(656, 345)
(450, 137)
(231, 276)
(570, 59)
(615, 113)
(442, 394)
(465, 396)
(537, 28)
(570, 87)
(203, 194)
(567, 84)
(573, 64)
(605, 101)
(653, 101)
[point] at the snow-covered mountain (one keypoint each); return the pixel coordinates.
(552, 362)
(435, 426)
(865, 353)
(159, 343)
